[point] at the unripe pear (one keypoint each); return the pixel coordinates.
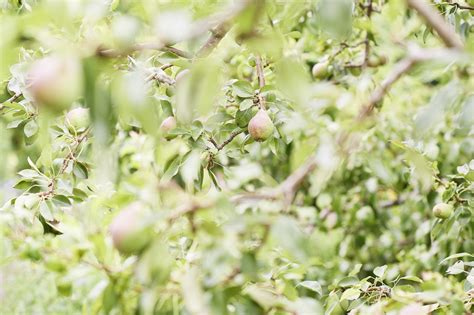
(442, 210)
(78, 119)
(260, 126)
(167, 125)
(320, 70)
(129, 230)
(55, 81)
(376, 61)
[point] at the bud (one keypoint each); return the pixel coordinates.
(78, 119)
(55, 82)
(442, 210)
(129, 229)
(261, 126)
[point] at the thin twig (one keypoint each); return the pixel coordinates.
(70, 157)
(112, 53)
(177, 52)
(188, 208)
(261, 81)
(435, 20)
(259, 66)
(227, 141)
(461, 6)
(399, 69)
(367, 35)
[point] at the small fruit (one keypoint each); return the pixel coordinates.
(78, 119)
(129, 230)
(260, 126)
(376, 61)
(167, 125)
(442, 210)
(320, 70)
(64, 287)
(55, 81)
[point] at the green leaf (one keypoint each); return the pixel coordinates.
(350, 294)
(61, 200)
(380, 271)
(412, 278)
(455, 256)
(456, 269)
(31, 128)
(243, 89)
(80, 170)
(14, 123)
(348, 282)
(312, 285)
(45, 211)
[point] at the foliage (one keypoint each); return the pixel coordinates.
(240, 157)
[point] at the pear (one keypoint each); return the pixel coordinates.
(167, 125)
(260, 126)
(55, 81)
(320, 70)
(78, 119)
(129, 229)
(442, 210)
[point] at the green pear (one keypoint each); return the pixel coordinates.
(320, 70)
(443, 210)
(260, 126)
(78, 119)
(129, 229)
(167, 125)
(55, 82)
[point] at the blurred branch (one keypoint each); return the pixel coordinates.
(219, 26)
(398, 70)
(367, 35)
(261, 81)
(217, 23)
(159, 75)
(436, 21)
(189, 208)
(112, 53)
(261, 76)
(217, 34)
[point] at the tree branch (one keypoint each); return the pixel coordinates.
(221, 26)
(113, 53)
(227, 141)
(461, 6)
(367, 41)
(399, 69)
(434, 19)
(217, 35)
(288, 188)
(261, 81)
